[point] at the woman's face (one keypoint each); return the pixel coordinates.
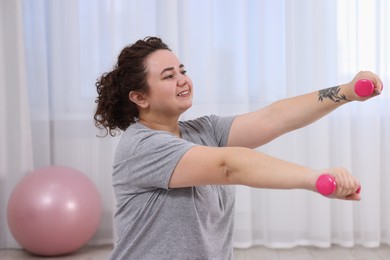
(170, 89)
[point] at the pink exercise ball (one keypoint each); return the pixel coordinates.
(54, 211)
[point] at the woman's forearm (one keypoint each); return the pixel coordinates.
(248, 167)
(297, 112)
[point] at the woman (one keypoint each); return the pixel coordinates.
(174, 181)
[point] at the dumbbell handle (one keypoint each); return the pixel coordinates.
(364, 87)
(326, 184)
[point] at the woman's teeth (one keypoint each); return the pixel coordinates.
(183, 93)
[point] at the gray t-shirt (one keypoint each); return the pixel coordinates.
(155, 222)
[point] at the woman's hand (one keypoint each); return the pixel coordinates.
(347, 185)
(349, 88)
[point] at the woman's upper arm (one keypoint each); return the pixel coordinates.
(253, 129)
(200, 165)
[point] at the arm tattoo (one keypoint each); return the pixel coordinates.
(332, 94)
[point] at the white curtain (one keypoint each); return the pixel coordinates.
(241, 55)
(15, 131)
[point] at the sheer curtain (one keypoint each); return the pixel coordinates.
(15, 131)
(241, 55)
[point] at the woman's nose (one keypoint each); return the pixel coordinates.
(181, 81)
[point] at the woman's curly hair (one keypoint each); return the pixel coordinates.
(114, 109)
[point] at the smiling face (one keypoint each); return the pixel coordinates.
(170, 89)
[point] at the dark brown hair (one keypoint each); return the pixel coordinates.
(114, 109)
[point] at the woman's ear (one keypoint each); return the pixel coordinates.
(139, 99)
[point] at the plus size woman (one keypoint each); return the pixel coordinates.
(174, 180)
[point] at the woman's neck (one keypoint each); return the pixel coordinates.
(171, 126)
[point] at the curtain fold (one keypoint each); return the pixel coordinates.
(15, 131)
(241, 55)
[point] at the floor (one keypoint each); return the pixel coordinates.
(314, 253)
(254, 253)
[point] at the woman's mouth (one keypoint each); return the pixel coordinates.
(183, 93)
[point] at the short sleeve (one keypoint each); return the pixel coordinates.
(151, 163)
(221, 128)
(208, 130)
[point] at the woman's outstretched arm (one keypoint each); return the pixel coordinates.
(259, 127)
(203, 165)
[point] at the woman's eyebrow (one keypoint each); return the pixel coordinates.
(171, 68)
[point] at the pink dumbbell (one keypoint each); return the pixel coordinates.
(326, 184)
(364, 88)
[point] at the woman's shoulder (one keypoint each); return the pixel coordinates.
(207, 121)
(138, 132)
(207, 130)
(203, 120)
(138, 138)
